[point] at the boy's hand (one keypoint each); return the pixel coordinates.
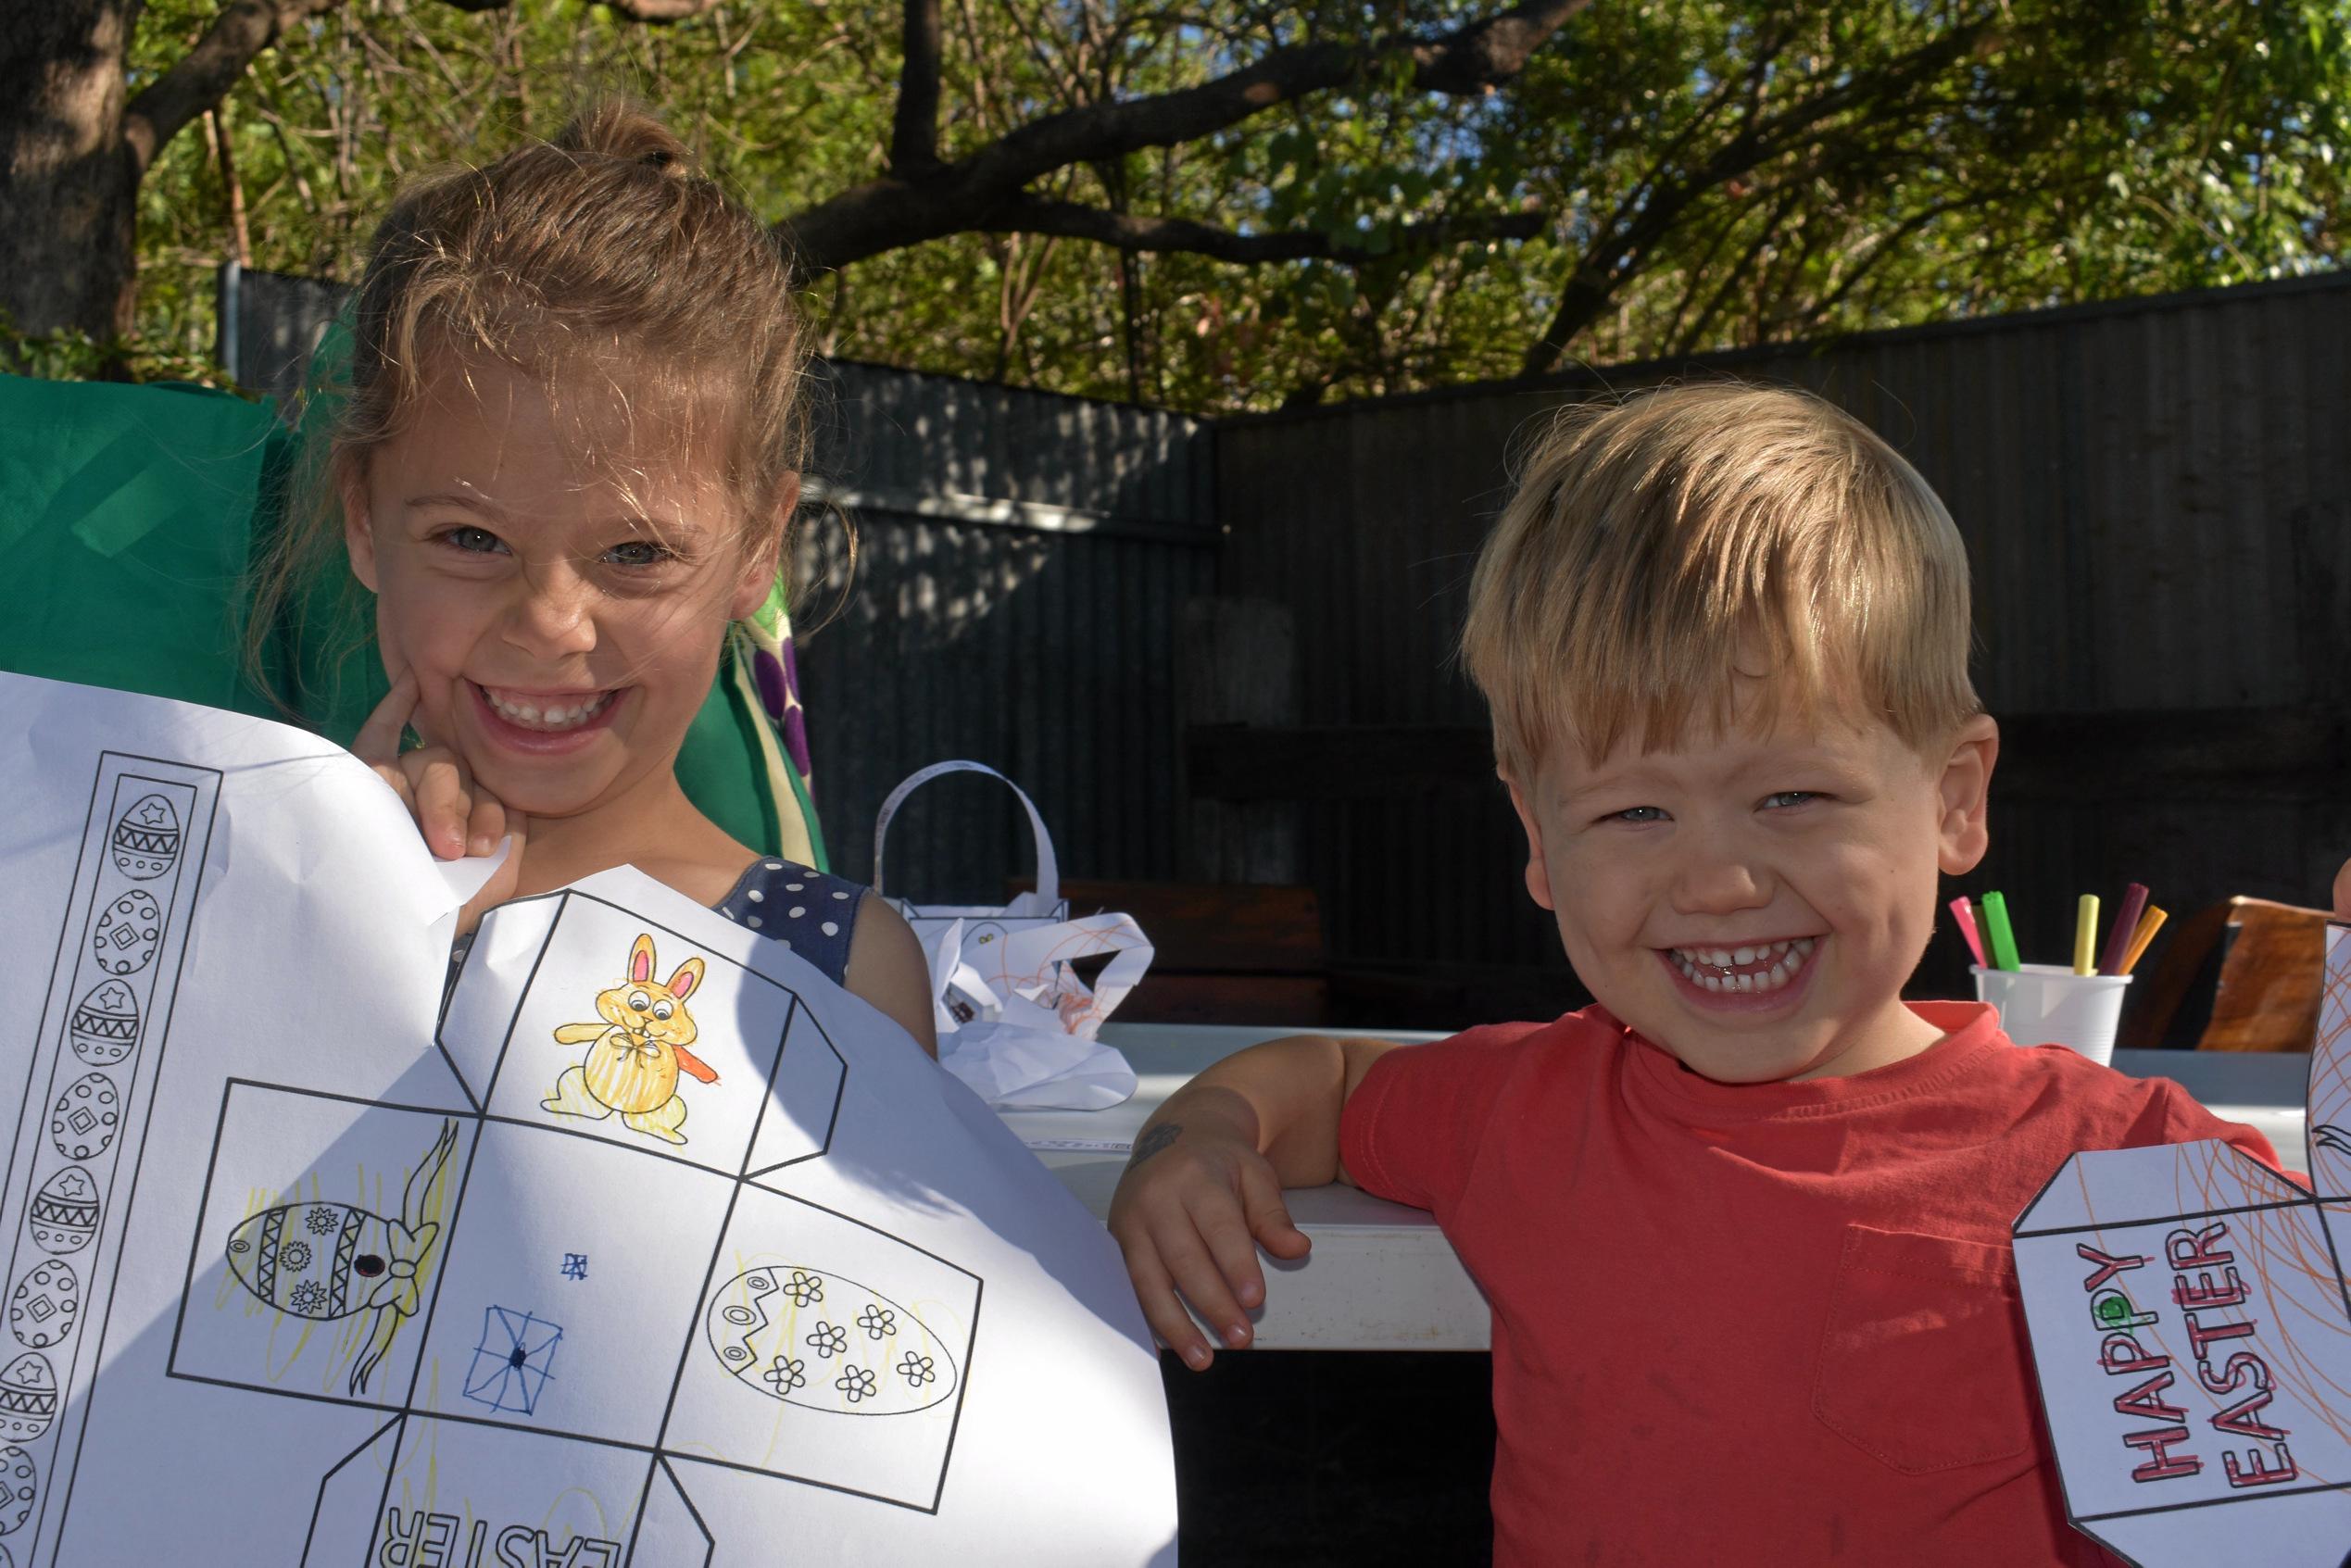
(456, 816)
(1196, 1202)
(2343, 892)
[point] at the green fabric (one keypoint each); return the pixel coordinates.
(129, 515)
(126, 513)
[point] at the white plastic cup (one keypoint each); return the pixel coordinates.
(2048, 1004)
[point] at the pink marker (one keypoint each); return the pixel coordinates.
(1965, 916)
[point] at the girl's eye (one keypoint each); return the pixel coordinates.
(1783, 799)
(639, 553)
(473, 541)
(1639, 814)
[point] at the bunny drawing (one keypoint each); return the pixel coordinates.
(634, 1056)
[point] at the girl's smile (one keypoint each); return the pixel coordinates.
(560, 582)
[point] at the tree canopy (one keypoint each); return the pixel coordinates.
(1226, 205)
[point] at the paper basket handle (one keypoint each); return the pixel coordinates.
(1049, 878)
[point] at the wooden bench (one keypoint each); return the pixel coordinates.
(1223, 952)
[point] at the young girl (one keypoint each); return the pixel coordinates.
(570, 456)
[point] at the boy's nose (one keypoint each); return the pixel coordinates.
(1721, 883)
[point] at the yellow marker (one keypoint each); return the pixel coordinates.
(2149, 923)
(2085, 937)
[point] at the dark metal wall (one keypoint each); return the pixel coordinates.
(2154, 496)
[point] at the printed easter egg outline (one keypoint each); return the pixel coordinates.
(41, 1285)
(147, 847)
(133, 927)
(90, 1110)
(105, 1023)
(760, 1283)
(28, 1397)
(55, 1216)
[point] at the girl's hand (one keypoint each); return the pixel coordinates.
(2343, 892)
(456, 816)
(1196, 1202)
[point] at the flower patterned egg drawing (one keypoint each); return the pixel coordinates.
(64, 1215)
(147, 838)
(28, 1397)
(105, 1025)
(822, 1342)
(43, 1305)
(83, 1121)
(128, 934)
(18, 1480)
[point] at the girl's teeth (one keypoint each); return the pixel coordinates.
(553, 716)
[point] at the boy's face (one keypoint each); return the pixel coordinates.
(1753, 903)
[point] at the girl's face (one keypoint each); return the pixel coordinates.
(563, 615)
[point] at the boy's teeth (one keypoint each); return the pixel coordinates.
(1708, 967)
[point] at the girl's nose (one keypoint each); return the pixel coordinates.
(552, 613)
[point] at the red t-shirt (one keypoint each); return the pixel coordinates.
(1763, 1323)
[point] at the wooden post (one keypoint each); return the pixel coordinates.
(1237, 664)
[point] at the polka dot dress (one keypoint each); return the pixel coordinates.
(812, 912)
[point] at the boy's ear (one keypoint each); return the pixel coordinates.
(1538, 874)
(1965, 788)
(761, 566)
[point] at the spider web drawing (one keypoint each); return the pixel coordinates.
(513, 1362)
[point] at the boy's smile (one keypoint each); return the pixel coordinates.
(1754, 903)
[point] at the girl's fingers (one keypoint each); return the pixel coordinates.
(503, 882)
(379, 739)
(487, 824)
(443, 801)
(390, 774)
(1268, 1216)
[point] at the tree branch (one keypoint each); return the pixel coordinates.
(199, 78)
(953, 198)
(1137, 232)
(914, 130)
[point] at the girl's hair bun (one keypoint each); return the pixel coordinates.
(617, 128)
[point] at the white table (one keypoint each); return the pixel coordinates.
(1382, 1276)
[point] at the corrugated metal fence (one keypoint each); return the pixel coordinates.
(2154, 496)
(1021, 560)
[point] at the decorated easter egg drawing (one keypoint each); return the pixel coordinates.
(826, 1343)
(64, 1215)
(128, 932)
(28, 1397)
(147, 838)
(105, 1024)
(83, 1121)
(43, 1305)
(17, 1481)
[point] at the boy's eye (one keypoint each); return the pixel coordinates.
(1783, 799)
(1639, 814)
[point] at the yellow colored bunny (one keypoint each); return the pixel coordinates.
(637, 1053)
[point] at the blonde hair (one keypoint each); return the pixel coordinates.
(1657, 545)
(601, 258)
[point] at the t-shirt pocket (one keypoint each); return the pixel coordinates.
(1922, 1357)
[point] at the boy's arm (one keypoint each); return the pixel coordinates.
(1202, 1189)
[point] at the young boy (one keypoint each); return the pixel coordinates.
(1743, 1223)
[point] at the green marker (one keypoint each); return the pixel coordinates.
(1996, 932)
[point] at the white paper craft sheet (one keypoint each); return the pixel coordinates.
(2192, 1335)
(301, 1270)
